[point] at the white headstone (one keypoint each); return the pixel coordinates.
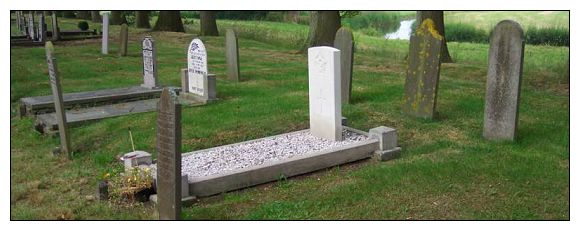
(105, 39)
(324, 92)
(197, 68)
(149, 63)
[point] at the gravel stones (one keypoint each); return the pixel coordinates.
(257, 152)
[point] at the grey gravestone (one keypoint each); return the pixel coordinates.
(31, 31)
(124, 36)
(232, 56)
(168, 157)
(184, 79)
(58, 105)
(344, 42)
(55, 29)
(41, 27)
(149, 63)
(506, 59)
(423, 72)
(105, 38)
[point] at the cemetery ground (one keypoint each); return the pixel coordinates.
(446, 169)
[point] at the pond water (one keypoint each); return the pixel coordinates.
(404, 31)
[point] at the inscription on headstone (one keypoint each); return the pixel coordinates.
(149, 63)
(58, 102)
(197, 68)
(124, 36)
(344, 42)
(423, 72)
(506, 59)
(168, 157)
(232, 56)
(324, 82)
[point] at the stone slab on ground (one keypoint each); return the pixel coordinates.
(46, 123)
(292, 165)
(45, 104)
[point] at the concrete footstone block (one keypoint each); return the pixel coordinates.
(136, 158)
(387, 137)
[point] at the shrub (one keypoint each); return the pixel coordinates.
(465, 33)
(548, 36)
(83, 25)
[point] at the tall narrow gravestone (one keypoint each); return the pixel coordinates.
(105, 38)
(124, 37)
(149, 63)
(423, 72)
(506, 59)
(58, 103)
(55, 29)
(168, 157)
(324, 92)
(41, 27)
(232, 56)
(344, 42)
(197, 75)
(31, 29)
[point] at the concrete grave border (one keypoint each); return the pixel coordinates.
(255, 175)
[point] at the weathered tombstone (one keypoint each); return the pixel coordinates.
(58, 104)
(31, 29)
(41, 27)
(199, 82)
(423, 71)
(324, 92)
(149, 63)
(184, 81)
(105, 38)
(232, 56)
(506, 59)
(344, 42)
(18, 23)
(55, 29)
(124, 36)
(168, 157)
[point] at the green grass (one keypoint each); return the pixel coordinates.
(486, 20)
(446, 170)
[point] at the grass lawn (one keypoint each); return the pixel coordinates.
(446, 169)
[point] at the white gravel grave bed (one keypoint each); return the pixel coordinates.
(252, 153)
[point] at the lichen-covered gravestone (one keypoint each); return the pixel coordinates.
(324, 92)
(168, 157)
(506, 59)
(232, 56)
(58, 102)
(124, 39)
(344, 42)
(149, 63)
(423, 72)
(197, 74)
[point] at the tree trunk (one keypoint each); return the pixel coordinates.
(68, 14)
(83, 14)
(169, 21)
(291, 16)
(208, 24)
(323, 27)
(142, 19)
(95, 16)
(437, 17)
(117, 17)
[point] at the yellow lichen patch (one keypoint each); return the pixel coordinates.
(429, 26)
